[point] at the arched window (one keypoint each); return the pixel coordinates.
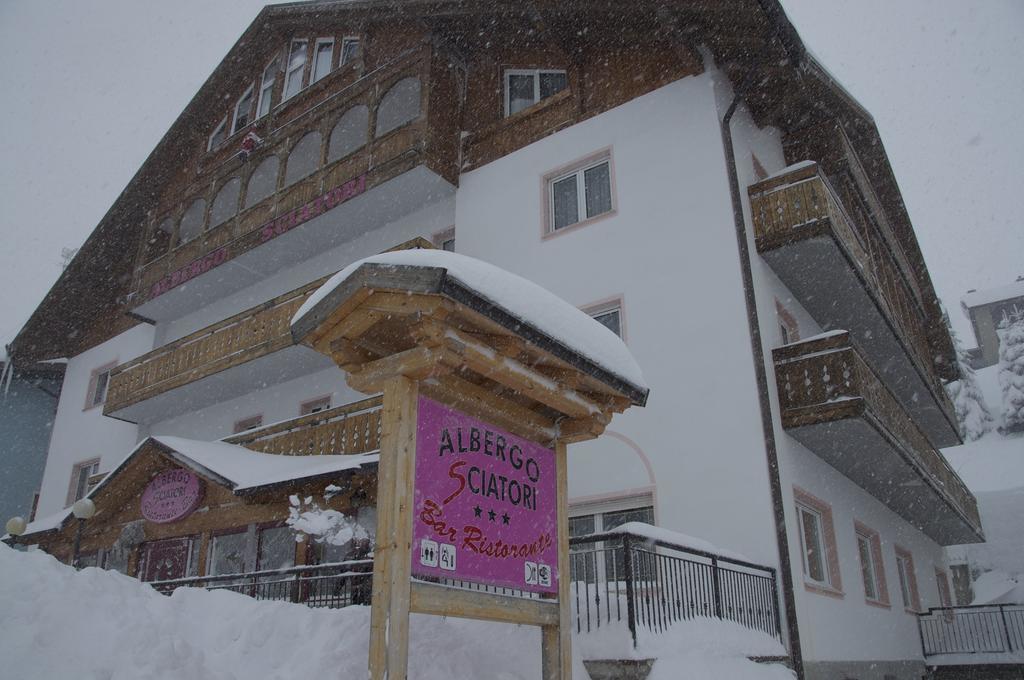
(304, 158)
(262, 182)
(192, 221)
(225, 205)
(349, 133)
(399, 105)
(159, 239)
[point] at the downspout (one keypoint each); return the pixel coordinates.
(767, 427)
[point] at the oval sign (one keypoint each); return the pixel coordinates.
(170, 496)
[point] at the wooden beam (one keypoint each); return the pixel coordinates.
(556, 639)
(573, 430)
(351, 326)
(430, 598)
(401, 304)
(416, 363)
(511, 373)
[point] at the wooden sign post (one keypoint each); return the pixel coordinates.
(479, 405)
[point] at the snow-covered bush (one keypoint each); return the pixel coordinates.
(1011, 372)
(325, 525)
(972, 414)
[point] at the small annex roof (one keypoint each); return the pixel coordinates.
(976, 298)
(514, 302)
(235, 467)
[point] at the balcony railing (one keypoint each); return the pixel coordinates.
(833, 402)
(651, 584)
(246, 336)
(351, 428)
(978, 634)
(846, 278)
(333, 585)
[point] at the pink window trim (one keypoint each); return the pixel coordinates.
(829, 535)
(546, 232)
(875, 543)
(945, 593)
(787, 319)
(915, 595)
(309, 403)
(109, 366)
(241, 421)
(607, 304)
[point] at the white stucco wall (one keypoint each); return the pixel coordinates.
(81, 433)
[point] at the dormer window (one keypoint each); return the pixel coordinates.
(349, 50)
(267, 87)
(295, 69)
(322, 58)
(526, 87)
(243, 112)
(220, 133)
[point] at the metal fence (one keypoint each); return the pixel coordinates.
(333, 585)
(652, 584)
(975, 629)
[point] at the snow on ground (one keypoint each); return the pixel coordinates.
(99, 625)
(523, 299)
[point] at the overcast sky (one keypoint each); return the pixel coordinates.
(90, 87)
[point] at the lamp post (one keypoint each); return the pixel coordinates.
(16, 527)
(83, 509)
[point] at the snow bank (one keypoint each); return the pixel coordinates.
(95, 624)
(522, 299)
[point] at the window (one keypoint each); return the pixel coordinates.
(945, 597)
(584, 563)
(314, 405)
(249, 423)
(608, 314)
(789, 329)
(220, 133)
(350, 133)
(296, 67)
(580, 193)
(228, 554)
(225, 204)
(445, 240)
(819, 557)
(267, 87)
(323, 55)
(908, 580)
(349, 50)
(243, 112)
(99, 381)
(276, 548)
(262, 181)
(869, 549)
(399, 105)
(526, 87)
(80, 474)
(304, 159)
(191, 224)
(159, 239)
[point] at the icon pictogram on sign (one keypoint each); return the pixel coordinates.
(530, 573)
(428, 552)
(447, 557)
(544, 575)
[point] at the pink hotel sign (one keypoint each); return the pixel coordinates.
(484, 503)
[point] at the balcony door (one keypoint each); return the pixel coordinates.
(167, 559)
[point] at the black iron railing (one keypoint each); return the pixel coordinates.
(325, 585)
(653, 583)
(975, 629)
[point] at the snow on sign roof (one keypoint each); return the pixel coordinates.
(522, 299)
(990, 295)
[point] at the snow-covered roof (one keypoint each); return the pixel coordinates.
(522, 299)
(237, 467)
(990, 295)
(992, 463)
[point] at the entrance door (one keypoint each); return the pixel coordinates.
(167, 559)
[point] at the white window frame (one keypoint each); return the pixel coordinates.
(579, 171)
(608, 306)
(91, 399)
(348, 40)
(267, 87)
(91, 467)
(869, 569)
(234, 116)
(221, 127)
(301, 69)
(313, 74)
(536, 74)
(803, 510)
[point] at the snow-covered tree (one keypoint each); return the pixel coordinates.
(1011, 372)
(972, 412)
(325, 525)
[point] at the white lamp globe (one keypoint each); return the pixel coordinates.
(16, 526)
(83, 508)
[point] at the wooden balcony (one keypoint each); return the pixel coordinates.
(350, 428)
(392, 175)
(239, 354)
(834, 403)
(808, 238)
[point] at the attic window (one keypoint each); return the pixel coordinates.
(267, 87)
(323, 55)
(349, 50)
(295, 69)
(220, 133)
(526, 87)
(243, 111)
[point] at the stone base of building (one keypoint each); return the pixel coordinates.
(865, 670)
